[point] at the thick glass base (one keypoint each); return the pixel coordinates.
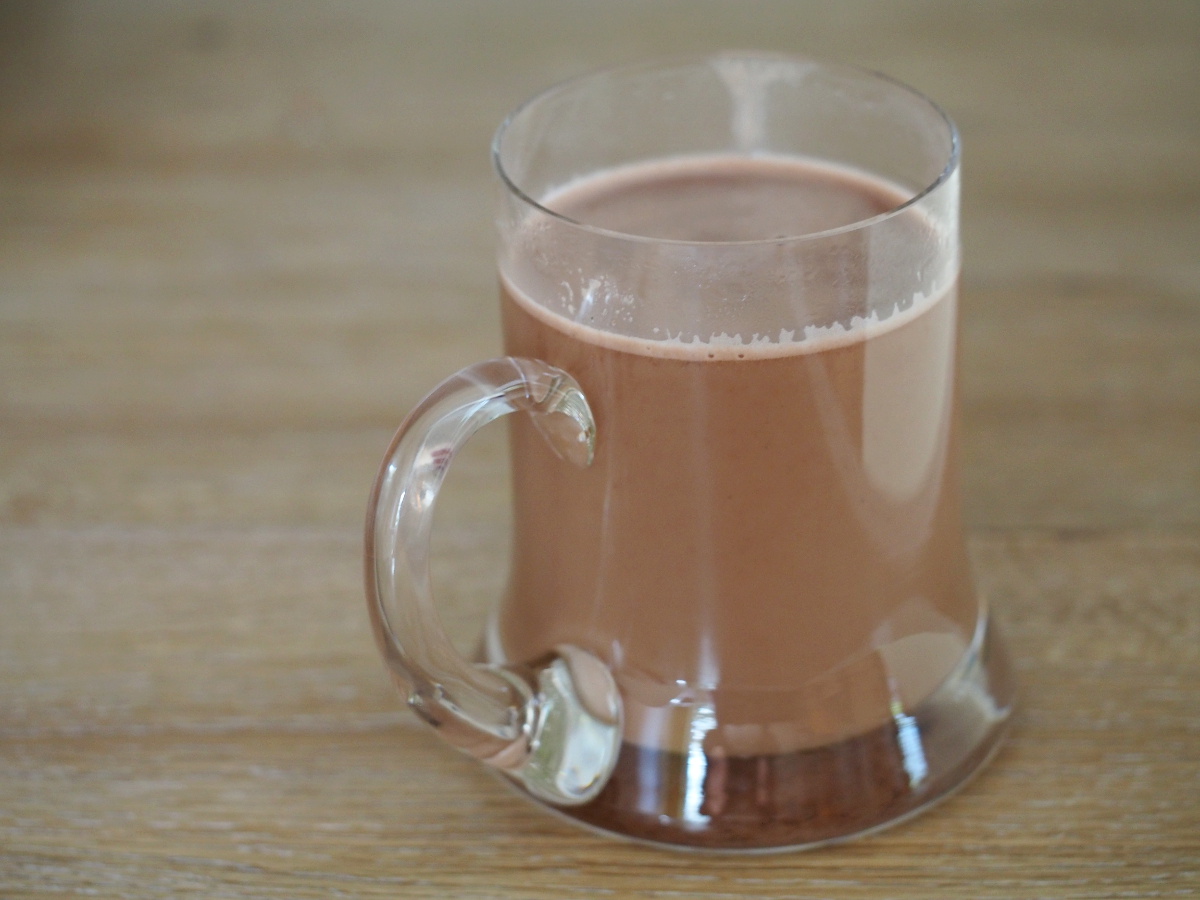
(813, 796)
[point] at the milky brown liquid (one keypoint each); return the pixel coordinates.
(767, 549)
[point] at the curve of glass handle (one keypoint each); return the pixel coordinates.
(556, 728)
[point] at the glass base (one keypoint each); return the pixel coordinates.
(814, 796)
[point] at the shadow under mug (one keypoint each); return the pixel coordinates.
(740, 613)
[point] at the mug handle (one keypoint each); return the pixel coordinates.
(554, 727)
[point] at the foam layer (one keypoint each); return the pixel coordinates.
(703, 206)
(731, 347)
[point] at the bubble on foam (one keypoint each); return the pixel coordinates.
(569, 300)
(866, 325)
(725, 340)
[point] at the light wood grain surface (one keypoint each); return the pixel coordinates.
(238, 241)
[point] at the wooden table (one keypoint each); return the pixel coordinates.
(238, 241)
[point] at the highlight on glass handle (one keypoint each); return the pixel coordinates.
(554, 727)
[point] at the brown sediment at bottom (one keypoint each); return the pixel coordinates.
(806, 797)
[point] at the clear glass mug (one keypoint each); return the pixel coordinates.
(740, 612)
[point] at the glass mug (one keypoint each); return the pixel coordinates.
(740, 612)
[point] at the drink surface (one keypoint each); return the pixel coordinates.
(767, 549)
(707, 199)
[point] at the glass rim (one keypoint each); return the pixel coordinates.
(953, 157)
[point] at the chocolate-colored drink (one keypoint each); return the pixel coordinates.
(740, 613)
(767, 547)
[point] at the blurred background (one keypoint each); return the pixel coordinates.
(162, 163)
(239, 240)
